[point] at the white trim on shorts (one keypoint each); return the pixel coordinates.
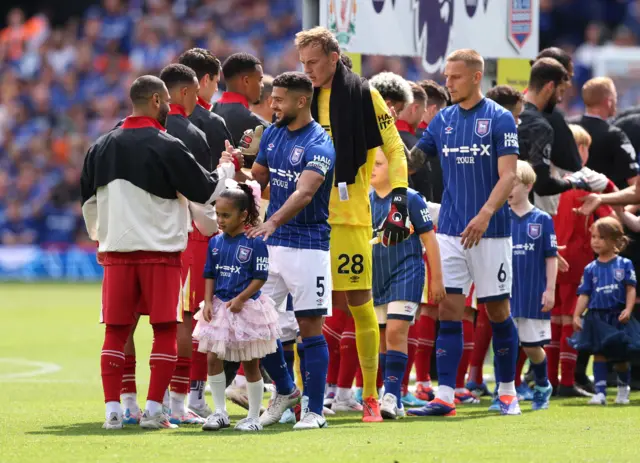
(533, 332)
(396, 310)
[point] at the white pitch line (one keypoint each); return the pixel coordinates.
(38, 369)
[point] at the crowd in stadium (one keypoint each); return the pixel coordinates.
(62, 86)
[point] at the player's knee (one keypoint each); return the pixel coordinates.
(397, 334)
(534, 353)
(498, 311)
(566, 320)
(358, 297)
(469, 314)
(310, 326)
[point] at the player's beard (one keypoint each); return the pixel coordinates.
(551, 104)
(285, 120)
(162, 115)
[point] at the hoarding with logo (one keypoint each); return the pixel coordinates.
(431, 29)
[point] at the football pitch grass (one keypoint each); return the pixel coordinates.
(52, 409)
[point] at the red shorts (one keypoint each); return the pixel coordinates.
(566, 299)
(193, 261)
(141, 282)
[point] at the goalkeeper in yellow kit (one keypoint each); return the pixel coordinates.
(358, 120)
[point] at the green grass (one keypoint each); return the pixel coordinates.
(57, 416)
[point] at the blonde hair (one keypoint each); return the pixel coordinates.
(318, 36)
(580, 135)
(525, 173)
(470, 57)
(597, 90)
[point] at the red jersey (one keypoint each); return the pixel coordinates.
(572, 231)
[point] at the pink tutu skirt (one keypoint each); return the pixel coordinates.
(250, 334)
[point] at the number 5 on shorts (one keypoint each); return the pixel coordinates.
(320, 286)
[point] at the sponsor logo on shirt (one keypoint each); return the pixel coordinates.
(322, 163)
(227, 270)
(243, 254)
(270, 147)
(608, 289)
(483, 127)
(262, 264)
(215, 251)
(448, 130)
(522, 249)
(511, 140)
(384, 120)
(475, 150)
(281, 178)
(426, 217)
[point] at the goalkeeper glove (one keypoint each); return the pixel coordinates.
(396, 227)
(250, 142)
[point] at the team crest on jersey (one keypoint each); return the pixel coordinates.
(618, 274)
(534, 230)
(243, 254)
(483, 126)
(448, 130)
(296, 155)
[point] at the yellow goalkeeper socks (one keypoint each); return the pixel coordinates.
(368, 343)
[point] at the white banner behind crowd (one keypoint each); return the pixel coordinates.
(431, 29)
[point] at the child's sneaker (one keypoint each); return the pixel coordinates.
(216, 421)
(248, 425)
(410, 400)
(509, 405)
(541, 396)
(598, 399)
(389, 407)
(288, 417)
(202, 412)
(465, 396)
(623, 395)
(188, 418)
(357, 395)
(478, 390)
(311, 421)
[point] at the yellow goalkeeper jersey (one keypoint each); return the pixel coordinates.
(356, 209)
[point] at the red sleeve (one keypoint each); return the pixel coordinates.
(610, 188)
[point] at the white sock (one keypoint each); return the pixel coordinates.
(240, 381)
(196, 394)
(331, 389)
(255, 391)
(166, 400)
(153, 407)
(130, 401)
(344, 394)
(460, 390)
(425, 383)
(177, 403)
(507, 389)
(218, 383)
(113, 407)
(446, 394)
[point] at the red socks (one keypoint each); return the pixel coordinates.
(568, 357)
(163, 359)
(349, 362)
(332, 331)
(180, 379)
(112, 361)
(522, 357)
(129, 377)
(411, 355)
(426, 331)
(553, 353)
(467, 334)
(482, 338)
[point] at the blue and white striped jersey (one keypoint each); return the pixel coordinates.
(398, 271)
(287, 154)
(605, 283)
(469, 143)
(534, 240)
(233, 262)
